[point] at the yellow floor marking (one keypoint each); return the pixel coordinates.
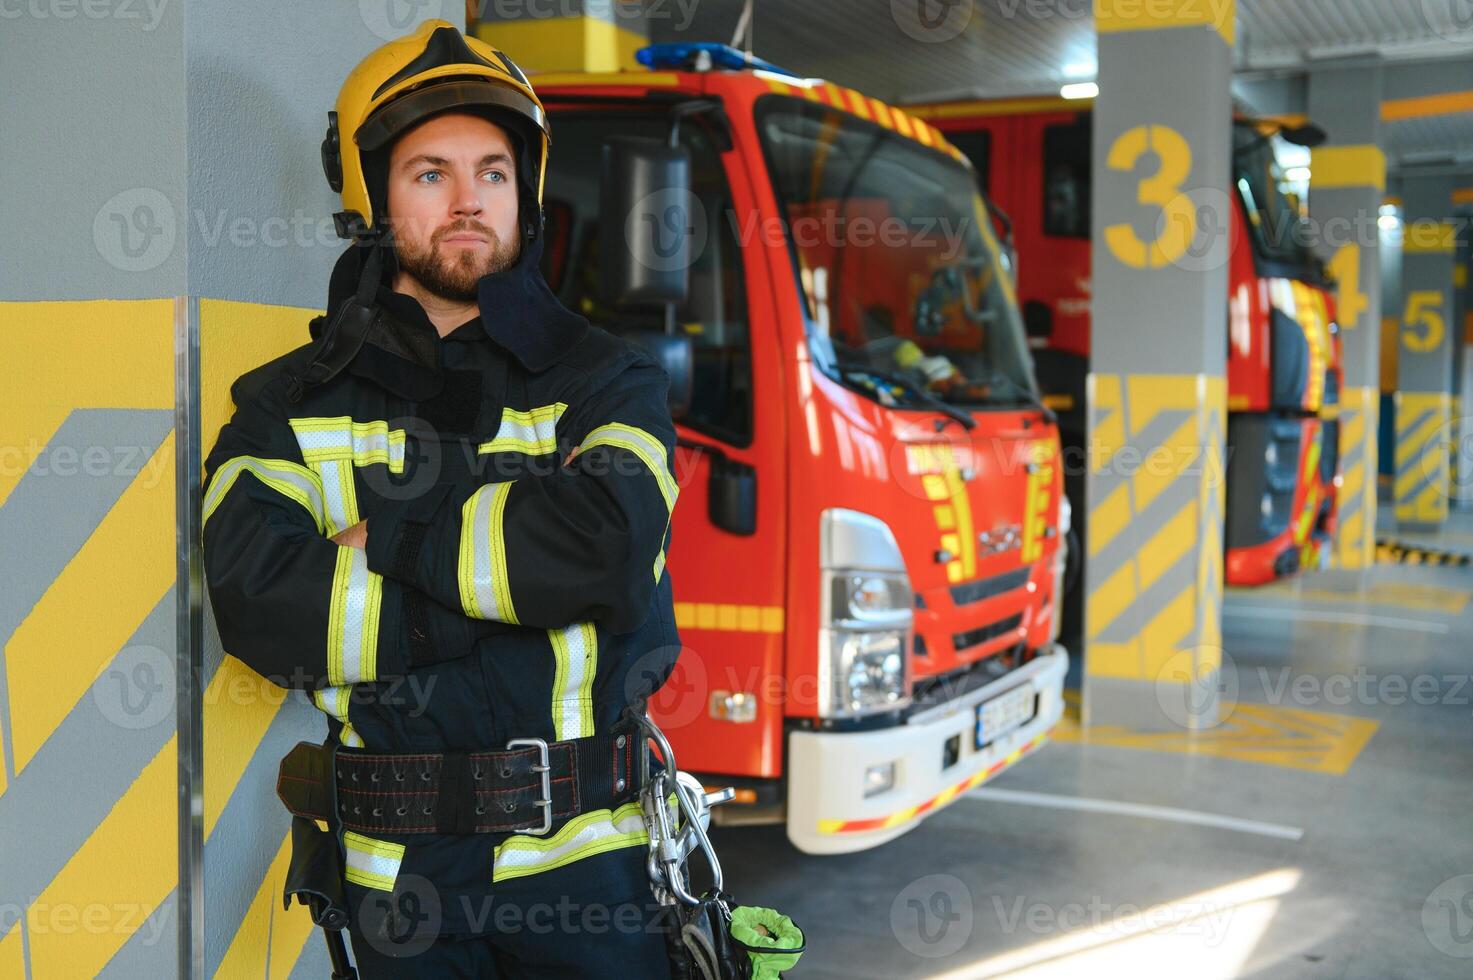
(1398, 595)
(1272, 735)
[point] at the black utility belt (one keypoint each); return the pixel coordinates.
(524, 788)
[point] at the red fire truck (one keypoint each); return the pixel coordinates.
(868, 543)
(1033, 158)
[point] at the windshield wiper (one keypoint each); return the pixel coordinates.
(917, 392)
(1022, 393)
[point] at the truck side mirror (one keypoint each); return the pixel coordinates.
(644, 200)
(1308, 135)
(673, 351)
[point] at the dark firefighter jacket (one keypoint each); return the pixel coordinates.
(502, 594)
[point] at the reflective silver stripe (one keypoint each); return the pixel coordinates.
(353, 619)
(340, 493)
(325, 440)
(575, 649)
(291, 480)
(659, 565)
(485, 592)
(650, 451)
(334, 701)
(584, 836)
(533, 431)
(372, 863)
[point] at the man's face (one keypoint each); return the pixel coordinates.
(453, 203)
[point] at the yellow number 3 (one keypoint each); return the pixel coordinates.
(1424, 307)
(1163, 190)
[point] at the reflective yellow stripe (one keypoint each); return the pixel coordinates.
(584, 836)
(291, 480)
(533, 431)
(485, 592)
(650, 451)
(372, 863)
(361, 443)
(353, 615)
(575, 649)
(333, 701)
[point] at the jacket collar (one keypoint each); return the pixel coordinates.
(518, 311)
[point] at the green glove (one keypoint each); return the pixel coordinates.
(772, 941)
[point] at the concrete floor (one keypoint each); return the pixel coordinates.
(1326, 743)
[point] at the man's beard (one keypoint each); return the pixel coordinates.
(453, 273)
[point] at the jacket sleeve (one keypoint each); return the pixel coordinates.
(297, 608)
(586, 542)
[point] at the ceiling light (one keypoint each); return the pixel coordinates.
(1080, 90)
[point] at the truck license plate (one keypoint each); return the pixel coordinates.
(1004, 713)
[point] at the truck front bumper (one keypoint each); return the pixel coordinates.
(828, 812)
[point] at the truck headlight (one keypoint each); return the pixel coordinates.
(864, 643)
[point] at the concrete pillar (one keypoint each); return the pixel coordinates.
(1348, 183)
(178, 232)
(571, 35)
(1157, 394)
(1425, 370)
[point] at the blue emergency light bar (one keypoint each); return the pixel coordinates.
(686, 56)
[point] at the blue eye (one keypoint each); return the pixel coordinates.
(429, 173)
(497, 176)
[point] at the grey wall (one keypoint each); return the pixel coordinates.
(92, 134)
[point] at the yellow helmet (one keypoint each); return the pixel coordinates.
(435, 69)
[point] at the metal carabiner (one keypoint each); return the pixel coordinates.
(672, 839)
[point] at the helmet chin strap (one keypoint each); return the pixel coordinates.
(350, 325)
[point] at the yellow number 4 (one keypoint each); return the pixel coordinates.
(1345, 267)
(1424, 308)
(1162, 190)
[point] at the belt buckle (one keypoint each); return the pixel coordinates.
(544, 766)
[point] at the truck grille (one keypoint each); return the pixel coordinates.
(980, 635)
(986, 588)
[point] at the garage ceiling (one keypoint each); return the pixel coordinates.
(1002, 48)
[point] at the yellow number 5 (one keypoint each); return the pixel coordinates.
(1423, 307)
(1162, 190)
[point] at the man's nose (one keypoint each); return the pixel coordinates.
(466, 202)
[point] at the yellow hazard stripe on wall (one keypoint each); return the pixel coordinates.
(728, 617)
(579, 43)
(937, 802)
(1421, 106)
(1359, 165)
(241, 708)
(1112, 16)
(1423, 431)
(1428, 237)
(1355, 532)
(1154, 505)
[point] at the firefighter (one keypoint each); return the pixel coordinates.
(445, 519)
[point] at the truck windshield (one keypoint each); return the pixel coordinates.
(1275, 218)
(907, 301)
